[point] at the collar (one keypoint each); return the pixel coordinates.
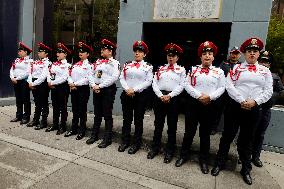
(245, 63)
(210, 67)
(175, 65)
(64, 61)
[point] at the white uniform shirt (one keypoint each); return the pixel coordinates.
(211, 83)
(104, 72)
(136, 75)
(58, 72)
(78, 73)
(243, 83)
(38, 70)
(20, 68)
(169, 80)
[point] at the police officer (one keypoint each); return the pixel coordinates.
(18, 75)
(80, 91)
(205, 83)
(265, 59)
(38, 84)
(102, 79)
(167, 85)
(221, 102)
(135, 78)
(57, 81)
(249, 85)
(233, 59)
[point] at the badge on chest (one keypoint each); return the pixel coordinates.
(99, 74)
(52, 76)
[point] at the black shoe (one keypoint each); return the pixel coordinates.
(60, 131)
(180, 162)
(39, 127)
(80, 136)
(123, 147)
(70, 133)
(247, 178)
(204, 167)
(257, 162)
(133, 149)
(152, 154)
(104, 143)
(52, 128)
(92, 140)
(16, 119)
(216, 170)
(24, 121)
(168, 158)
(32, 123)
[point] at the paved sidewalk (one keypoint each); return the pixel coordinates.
(36, 159)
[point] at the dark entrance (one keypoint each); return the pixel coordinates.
(189, 36)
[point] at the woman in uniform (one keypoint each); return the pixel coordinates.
(135, 78)
(104, 73)
(249, 85)
(205, 83)
(57, 81)
(80, 91)
(167, 85)
(19, 73)
(38, 84)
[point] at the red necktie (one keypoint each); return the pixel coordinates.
(105, 61)
(252, 68)
(204, 70)
(171, 67)
(22, 58)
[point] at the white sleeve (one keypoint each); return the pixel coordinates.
(115, 75)
(267, 89)
(190, 89)
(147, 82)
(232, 91)
(221, 87)
(30, 74)
(122, 79)
(180, 86)
(91, 76)
(155, 87)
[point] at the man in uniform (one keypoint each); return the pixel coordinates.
(265, 59)
(221, 102)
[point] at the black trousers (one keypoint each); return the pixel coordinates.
(195, 113)
(235, 117)
(220, 105)
(59, 97)
(161, 110)
(23, 103)
(133, 105)
(40, 94)
(103, 105)
(265, 115)
(79, 100)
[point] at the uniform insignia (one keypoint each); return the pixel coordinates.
(265, 53)
(99, 74)
(253, 41)
(206, 43)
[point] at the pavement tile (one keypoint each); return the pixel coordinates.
(76, 176)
